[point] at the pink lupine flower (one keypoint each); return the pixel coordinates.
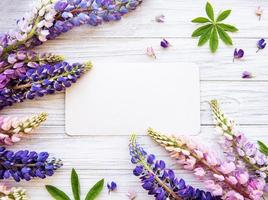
(227, 179)
(12, 128)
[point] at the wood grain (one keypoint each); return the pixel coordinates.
(107, 155)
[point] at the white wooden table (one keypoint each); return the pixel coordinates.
(107, 156)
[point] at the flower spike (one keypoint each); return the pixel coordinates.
(25, 165)
(237, 145)
(12, 128)
(221, 178)
(160, 181)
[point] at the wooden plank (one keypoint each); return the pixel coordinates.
(246, 102)
(141, 22)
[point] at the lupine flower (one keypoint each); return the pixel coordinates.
(236, 144)
(261, 44)
(18, 63)
(47, 79)
(247, 75)
(259, 12)
(49, 19)
(25, 165)
(13, 128)
(221, 178)
(238, 54)
(160, 18)
(164, 43)
(150, 52)
(131, 195)
(12, 193)
(111, 186)
(160, 181)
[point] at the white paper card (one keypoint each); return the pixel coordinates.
(120, 98)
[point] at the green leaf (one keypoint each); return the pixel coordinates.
(223, 15)
(56, 193)
(201, 30)
(209, 11)
(75, 185)
(214, 40)
(95, 190)
(200, 20)
(224, 36)
(263, 148)
(205, 37)
(227, 27)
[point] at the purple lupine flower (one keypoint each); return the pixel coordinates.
(261, 44)
(247, 75)
(46, 79)
(238, 54)
(25, 165)
(164, 43)
(111, 186)
(160, 181)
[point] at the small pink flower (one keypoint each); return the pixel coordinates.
(215, 189)
(232, 180)
(232, 195)
(227, 167)
(219, 177)
(200, 172)
(211, 160)
(131, 195)
(7, 124)
(189, 163)
(259, 12)
(199, 153)
(150, 52)
(160, 18)
(242, 177)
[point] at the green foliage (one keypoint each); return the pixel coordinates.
(263, 148)
(212, 30)
(57, 194)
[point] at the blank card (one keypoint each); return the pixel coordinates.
(120, 98)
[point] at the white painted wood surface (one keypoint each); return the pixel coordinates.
(107, 156)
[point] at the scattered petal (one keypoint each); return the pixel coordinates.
(238, 54)
(160, 18)
(150, 52)
(164, 43)
(259, 12)
(247, 75)
(261, 44)
(111, 187)
(131, 195)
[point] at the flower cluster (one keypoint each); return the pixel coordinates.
(160, 181)
(222, 178)
(12, 193)
(25, 165)
(46, 79)
(236, 145)
(13, 128)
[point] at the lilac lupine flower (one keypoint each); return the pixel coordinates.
(261, 44)
(46, 79)
(21, 61)
(25, 165)
(238, 54)
(236, 145)
(164, 43)
(247, 75)
(160, 181)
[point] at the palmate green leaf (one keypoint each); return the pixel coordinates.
(227, 27)
(263, 148)
(95, 190)
(214, 40)
(56, 193)
(201, 30)
(75, 185)
(200, 20)
(223, 15)
(210, 11)
(205, 37)
(224, 36)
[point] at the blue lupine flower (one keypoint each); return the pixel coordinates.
(261, 44)
(25, 165)
(46, 79)
(111, 187)
(160, 181)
